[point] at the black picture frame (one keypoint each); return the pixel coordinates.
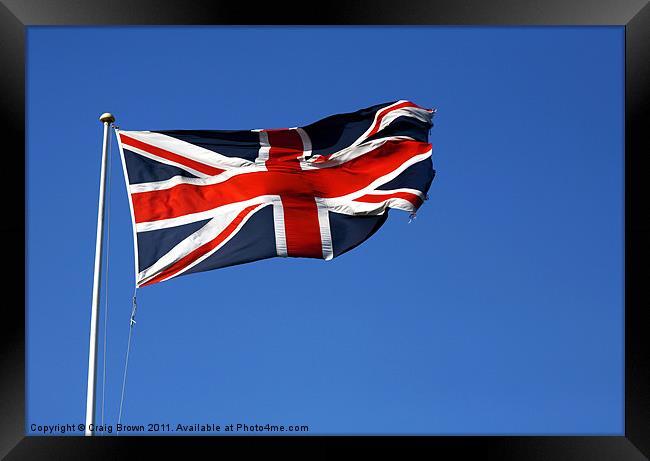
(16, 15)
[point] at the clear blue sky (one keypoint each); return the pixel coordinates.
(498, 311)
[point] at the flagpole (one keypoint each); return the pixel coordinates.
(106, 119)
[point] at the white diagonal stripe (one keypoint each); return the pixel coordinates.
(393, 191)
(353, 208)
(417, 112)
(206, 181)
(188, 150)
(199, 238)
(349, 153)
(330, 202)
(144, 153)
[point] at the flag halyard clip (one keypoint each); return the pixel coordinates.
(133, 311)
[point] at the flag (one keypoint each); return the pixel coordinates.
(206, 199)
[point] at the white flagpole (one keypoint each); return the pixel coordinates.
(106, 119)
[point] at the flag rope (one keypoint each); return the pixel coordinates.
(134, 308)
(128, 349)
(106, 279)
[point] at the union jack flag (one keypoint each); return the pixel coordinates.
(205, 199)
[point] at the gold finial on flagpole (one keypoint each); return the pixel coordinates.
(106, 117)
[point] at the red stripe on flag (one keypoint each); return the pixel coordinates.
(162, 153)
(378, 198)
(337, 181)
(376, 124)
(202, 250)
(184, 199)
(286, 147)
(386, 111)
(361, 171)
(301, 227)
